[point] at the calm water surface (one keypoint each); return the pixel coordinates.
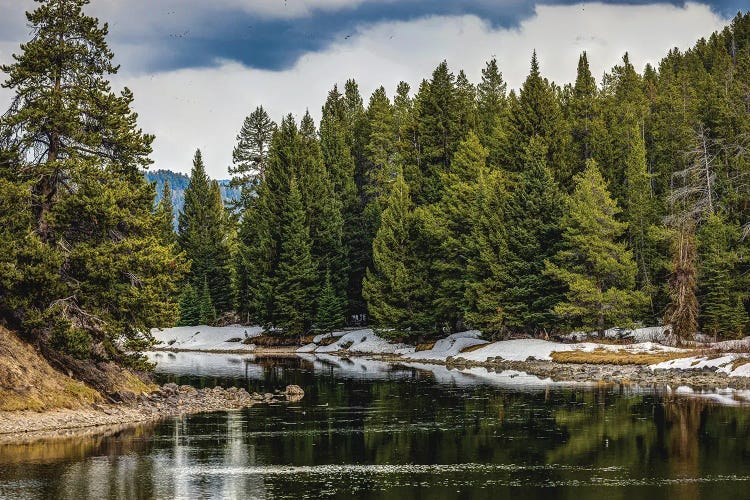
(370, 430)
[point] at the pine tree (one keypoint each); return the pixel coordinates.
(203, 236)
(219, 263)
(537, 112)
(595, 267)
(532, 235)
(396, 295)
(99, 272)
(323, 207)
(450, 223)
(336, 145)
(250, 155)
(330, 310)
(584, 112)
(641, 212)
(439, 122)
(492, 113)
(721, 293)
(165, 215)
(295, 282)
(190, 311)
(485, 274)
(206, 311)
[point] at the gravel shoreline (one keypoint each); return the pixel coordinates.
(590, 373)
(170, 400)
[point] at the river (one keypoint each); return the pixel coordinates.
(368, 429)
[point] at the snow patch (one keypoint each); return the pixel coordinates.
(449, 346)
(364, 341)
(207, 338)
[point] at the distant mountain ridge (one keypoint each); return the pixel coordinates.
(178, 182)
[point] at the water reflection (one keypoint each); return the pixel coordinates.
(372, 430)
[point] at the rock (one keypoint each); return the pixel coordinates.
(294, 393)
(294, 390)
(170, 389)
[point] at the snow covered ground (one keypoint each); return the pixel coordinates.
(449, 346)
(367, 341)
(206, 338)
(364, 341)
(733, 364)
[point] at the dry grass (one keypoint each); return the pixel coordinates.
(473, 348)
(619, 357)
(28, 382)
(424, 346)
(739, 362)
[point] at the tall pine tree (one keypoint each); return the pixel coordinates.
(594, 265)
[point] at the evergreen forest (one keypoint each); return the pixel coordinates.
(612, 201)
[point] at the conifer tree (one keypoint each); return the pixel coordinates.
(206, 310)
(537, 112)
(330, 310)
(450, 223)
(395, 292)
(584, 115)
(485, 273)
(439, 122)
(641, 212)
(336, 144)
(218, 269)
(721, 293)
(492, 113)
(190, 310)
(250, 155)
(295, 282)
(165, 215)
(203, 236)
(101, 274)
(532, 231)
(323, 208)
(595, 267)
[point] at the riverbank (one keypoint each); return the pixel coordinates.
(624, 357)
(167, 401)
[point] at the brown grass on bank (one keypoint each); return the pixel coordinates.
(739, 362)
(28, 382)
(619, 357)
(424, 346)
(472, 348)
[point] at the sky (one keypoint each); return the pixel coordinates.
(198, 67)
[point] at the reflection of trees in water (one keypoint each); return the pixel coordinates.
(87, 466)
(684, 418)
(111, 440)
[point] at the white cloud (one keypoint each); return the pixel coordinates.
(204, 108)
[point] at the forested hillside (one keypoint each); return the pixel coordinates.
(607, 201)
(457, 204)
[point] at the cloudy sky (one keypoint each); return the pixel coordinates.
(198, 67)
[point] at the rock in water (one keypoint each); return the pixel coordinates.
(294, 392)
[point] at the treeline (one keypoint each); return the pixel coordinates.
(461, 205)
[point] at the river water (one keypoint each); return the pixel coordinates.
(368, 429)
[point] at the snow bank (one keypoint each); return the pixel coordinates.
(518, 350)
(364, 341)
(734, 365)
(523, 349)
(449, 346)
(207, 338)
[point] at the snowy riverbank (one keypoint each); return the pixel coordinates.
(636, 351)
